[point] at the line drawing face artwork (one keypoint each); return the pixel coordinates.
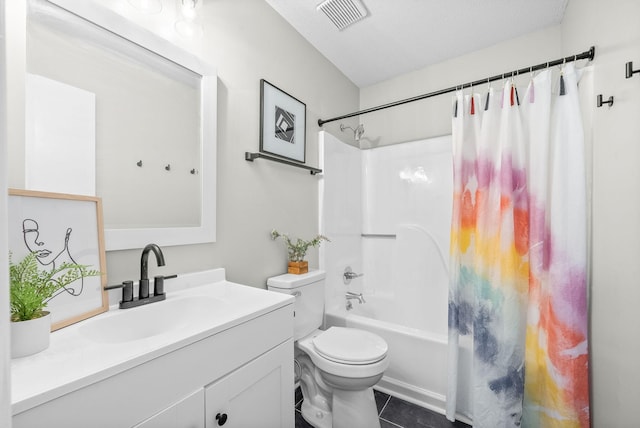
(48, 257)
(60, 230)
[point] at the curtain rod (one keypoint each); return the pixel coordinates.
(590, 54)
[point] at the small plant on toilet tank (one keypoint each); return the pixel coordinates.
(297, 250)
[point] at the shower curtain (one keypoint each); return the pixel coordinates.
(518, 295)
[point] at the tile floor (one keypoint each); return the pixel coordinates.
(394, 413)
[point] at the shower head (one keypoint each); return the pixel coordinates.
(357, 133)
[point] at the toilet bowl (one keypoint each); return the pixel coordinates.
(338, 366)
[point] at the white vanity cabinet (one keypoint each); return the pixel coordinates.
(248, 397)
(251, 396)
(242, 369)
(186, 413)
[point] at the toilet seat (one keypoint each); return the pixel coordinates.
(350, 346)
(349, 368)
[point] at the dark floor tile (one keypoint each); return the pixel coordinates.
(394, 413)
(300, 422)
(387, 424)
(298, 398)
(381, 399)
(409, 415)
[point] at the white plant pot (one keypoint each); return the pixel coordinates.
(30, 337)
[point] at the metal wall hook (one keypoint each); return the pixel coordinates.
(193, 171)
(600, 102)
(629, 71)
(168, 167)
(139, 163)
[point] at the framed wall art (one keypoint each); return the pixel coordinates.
(60, 228)
(282, 123)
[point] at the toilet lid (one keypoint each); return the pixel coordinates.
(350, 346)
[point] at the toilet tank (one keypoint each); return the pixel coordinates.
(308, 289)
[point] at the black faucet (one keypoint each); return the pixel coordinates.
(143, 291)
(128, 301)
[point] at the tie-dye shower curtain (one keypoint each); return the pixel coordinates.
(518, 295)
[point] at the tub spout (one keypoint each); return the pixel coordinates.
(355, 296)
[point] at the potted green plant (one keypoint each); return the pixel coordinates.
(30, 290)
(297, 250)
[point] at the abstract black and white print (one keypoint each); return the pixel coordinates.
(285, 125)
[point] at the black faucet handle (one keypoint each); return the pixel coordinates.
(158, 283)
(127, 290)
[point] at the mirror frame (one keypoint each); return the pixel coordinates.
(121, 239)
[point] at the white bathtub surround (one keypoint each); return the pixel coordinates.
(398, 237)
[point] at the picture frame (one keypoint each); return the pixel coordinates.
(282, 123)
(62, 228)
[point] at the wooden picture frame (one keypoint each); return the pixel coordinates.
(282, 123)
(61, 227)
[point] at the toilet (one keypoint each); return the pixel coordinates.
(337, 367)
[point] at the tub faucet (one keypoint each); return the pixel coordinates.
(143, 291)
(349, 274)
(353, 296)
(357, 296)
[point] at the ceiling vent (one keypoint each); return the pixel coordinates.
(343, 12)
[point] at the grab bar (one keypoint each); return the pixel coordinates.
(378, 235)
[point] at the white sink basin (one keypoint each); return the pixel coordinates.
(154, 319)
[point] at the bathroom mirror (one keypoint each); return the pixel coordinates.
(155, 120)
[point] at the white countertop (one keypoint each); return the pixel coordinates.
(74, 360)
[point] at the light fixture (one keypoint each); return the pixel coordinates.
(147, 6)
(187, 24)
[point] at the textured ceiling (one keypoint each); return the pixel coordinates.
(399, 36)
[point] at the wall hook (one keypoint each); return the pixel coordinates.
(139, 163)
(193, 171)
(600, 102)
(168, 167)
(629, 71)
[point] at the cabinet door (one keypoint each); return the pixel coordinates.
(186, 413)
(258, 394)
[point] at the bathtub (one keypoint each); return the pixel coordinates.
(409, 376)
(417, 370)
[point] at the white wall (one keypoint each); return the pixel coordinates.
(432, 117)
(615, 293)
(11, 127)
(247, 41)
